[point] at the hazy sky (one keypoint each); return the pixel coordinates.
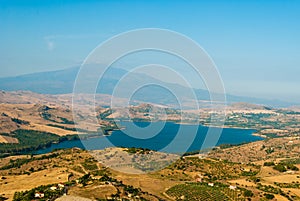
(255, 44)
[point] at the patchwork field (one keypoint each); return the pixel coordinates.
(189, 178)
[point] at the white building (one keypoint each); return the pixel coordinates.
(39, 195)
(211, 184)
(61, 186)
(53, 188)
(231, 187)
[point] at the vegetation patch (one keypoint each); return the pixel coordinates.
(43, 192)
(287, 185)
(21, 161)
(202, 191)
(273, 190)
(30, 140)
(133, 150)
(214, 170)
(283, 167)
(19, 121)
(90, 165)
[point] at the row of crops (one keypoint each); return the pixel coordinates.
(201, 192)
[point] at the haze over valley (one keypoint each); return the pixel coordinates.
(149, 100)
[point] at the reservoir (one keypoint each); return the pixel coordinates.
(162, 136)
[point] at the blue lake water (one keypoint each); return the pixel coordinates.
(169, 137)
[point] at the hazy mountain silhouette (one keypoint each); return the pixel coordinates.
(62, 82)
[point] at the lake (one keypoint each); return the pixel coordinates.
(169, 137)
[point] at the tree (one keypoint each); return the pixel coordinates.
(3, 198)
(248, 193)
(269, 196)
(269, 164)
(280, 168)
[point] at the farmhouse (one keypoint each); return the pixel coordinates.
(211, 184)
(53, 188)
(61, 186)
(232, 187)
(39, 195)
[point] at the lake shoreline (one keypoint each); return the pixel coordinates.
(118, 138)
(193, 123)
(81, 139)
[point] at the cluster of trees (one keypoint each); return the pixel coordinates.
(288, 185)
(201, 191)
(3, 198)
(90, 165)
(30, 140)
(30, 194)
(62, 127)
(128, 189)
(19, 121)
(85, 179)
(21, 161)
(47, 116)
(134, 150)
(269, 163)
(248, 193)
(269, 196)
(282, 166)
(271, 189)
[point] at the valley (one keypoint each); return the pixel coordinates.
(262, 170)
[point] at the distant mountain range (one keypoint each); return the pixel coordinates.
(62, 82)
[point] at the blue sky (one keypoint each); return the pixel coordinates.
(255, 44)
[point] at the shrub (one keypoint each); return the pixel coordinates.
(248, 193)
(269, 164)
(292, 167)
(269, 196)
(280, 168)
